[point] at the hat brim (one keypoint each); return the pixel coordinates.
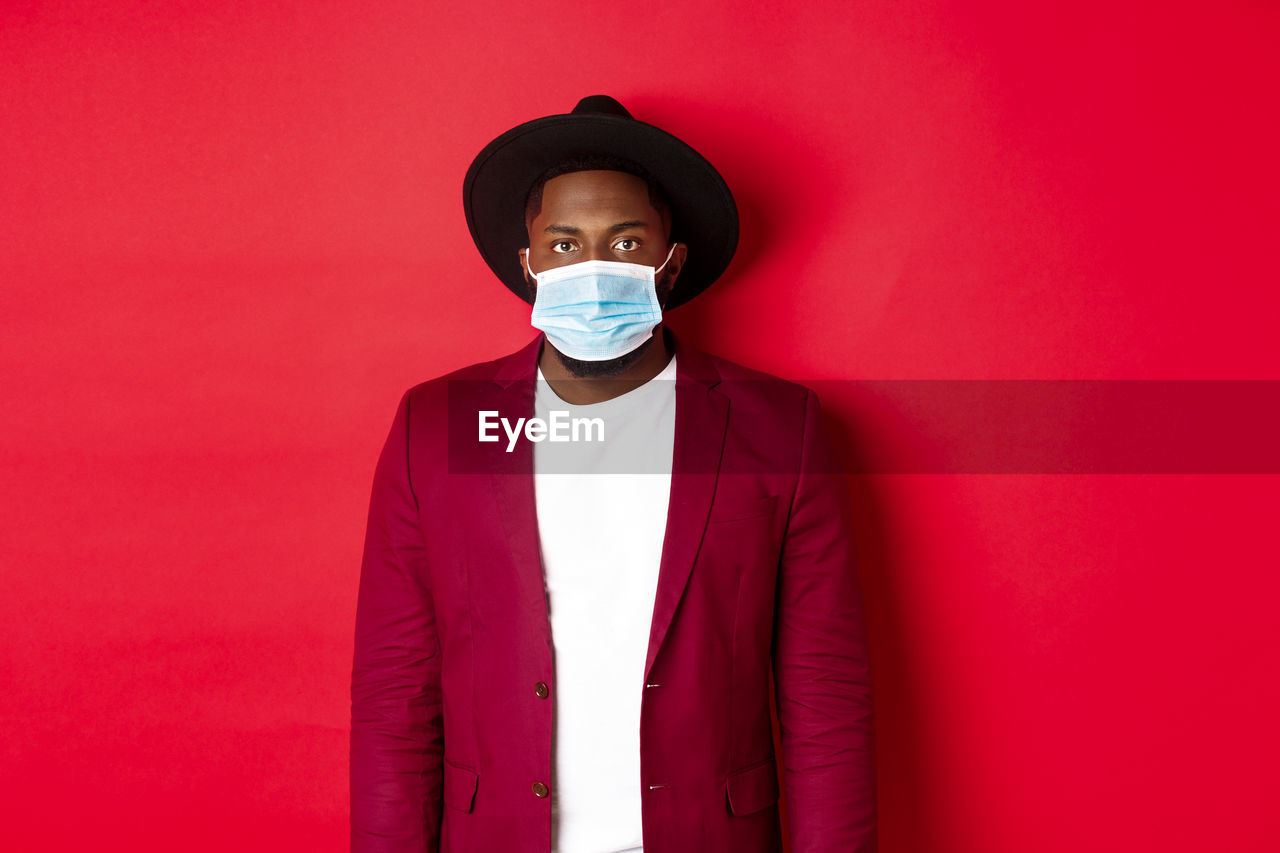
(703, 213)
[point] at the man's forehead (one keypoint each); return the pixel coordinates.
(597, 185)
(597, 194)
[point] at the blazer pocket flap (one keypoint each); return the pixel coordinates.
(753, 789)
(459, 787)
(735, 509)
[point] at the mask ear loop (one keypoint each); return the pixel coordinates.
(533, 274)
(670, 252)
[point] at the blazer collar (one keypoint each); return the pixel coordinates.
(692, 364)
(701, 420)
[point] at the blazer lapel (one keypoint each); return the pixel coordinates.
(701, 416)
(511, 394)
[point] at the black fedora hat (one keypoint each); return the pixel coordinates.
(703, 213)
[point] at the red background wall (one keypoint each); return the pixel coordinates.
(231, 236)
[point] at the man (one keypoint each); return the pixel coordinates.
(569, 646)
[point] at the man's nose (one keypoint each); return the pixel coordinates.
(597, 252)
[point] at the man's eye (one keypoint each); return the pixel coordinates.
(562, 246)
(627, 244)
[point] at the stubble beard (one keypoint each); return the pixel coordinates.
(608, 368)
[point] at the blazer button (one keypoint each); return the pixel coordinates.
(539, 789)
(541, 690)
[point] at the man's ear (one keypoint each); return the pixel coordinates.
(531, 286)
(524, 267)
(675, 264)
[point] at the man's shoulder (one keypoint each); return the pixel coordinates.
(477, 372)
(444, 406)
(733, 371)
(513, 365)
(748, 383)
(768, 417)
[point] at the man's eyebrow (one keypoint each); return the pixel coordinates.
(621, 226)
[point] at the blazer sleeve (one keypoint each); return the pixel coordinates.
(821, 663)
(397, 735)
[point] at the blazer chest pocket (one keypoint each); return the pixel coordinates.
(753, 789)
(735, 509)
(459, 786)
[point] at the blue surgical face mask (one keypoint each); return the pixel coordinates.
(597, 310)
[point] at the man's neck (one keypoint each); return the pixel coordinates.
(585, 391)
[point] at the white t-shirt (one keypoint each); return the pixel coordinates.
(602, 516)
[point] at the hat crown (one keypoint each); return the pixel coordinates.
(602, 105)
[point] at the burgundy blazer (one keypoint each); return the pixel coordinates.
(453, 690)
